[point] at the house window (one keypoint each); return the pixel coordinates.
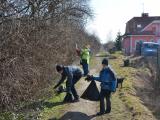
(139, 26)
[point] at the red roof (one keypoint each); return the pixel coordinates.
(137, 24)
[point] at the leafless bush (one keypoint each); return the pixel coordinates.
(35, 35)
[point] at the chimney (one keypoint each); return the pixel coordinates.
(145, 14)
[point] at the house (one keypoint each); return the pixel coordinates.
(145, 28)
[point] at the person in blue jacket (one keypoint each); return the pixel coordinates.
(108, 85)
(73, 75)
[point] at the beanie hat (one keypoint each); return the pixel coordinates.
(105, 61)
(59, 68)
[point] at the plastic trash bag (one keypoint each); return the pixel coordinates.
(91, 93)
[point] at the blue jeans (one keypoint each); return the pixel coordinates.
(105, 94)
(85, 67)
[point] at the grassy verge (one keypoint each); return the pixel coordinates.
(128, 93)
(53, 108)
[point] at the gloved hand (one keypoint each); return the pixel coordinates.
(89, 77)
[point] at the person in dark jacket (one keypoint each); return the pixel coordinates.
(108, 85)
(73, 75)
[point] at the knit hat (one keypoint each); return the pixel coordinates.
(59, 68)
(105, 61)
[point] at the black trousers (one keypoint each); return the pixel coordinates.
(105, 94)
(75, 79)
(68, 97)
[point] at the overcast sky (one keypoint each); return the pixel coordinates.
(112, 15)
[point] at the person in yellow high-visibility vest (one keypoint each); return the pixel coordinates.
(85, 58)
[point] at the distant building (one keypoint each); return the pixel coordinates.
(145, 28)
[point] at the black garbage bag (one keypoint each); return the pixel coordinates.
(91, 93)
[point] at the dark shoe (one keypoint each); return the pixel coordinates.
(70, 101)
(76, 100)
(107, 111)
(99, 113)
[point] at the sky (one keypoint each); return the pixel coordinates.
(111, 16)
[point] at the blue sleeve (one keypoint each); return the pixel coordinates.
(96, 78)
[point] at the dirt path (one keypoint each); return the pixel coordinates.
(86, 110)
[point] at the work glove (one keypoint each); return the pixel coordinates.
(89, 77)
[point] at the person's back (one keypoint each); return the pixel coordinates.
(107, 79)
(72, 70)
